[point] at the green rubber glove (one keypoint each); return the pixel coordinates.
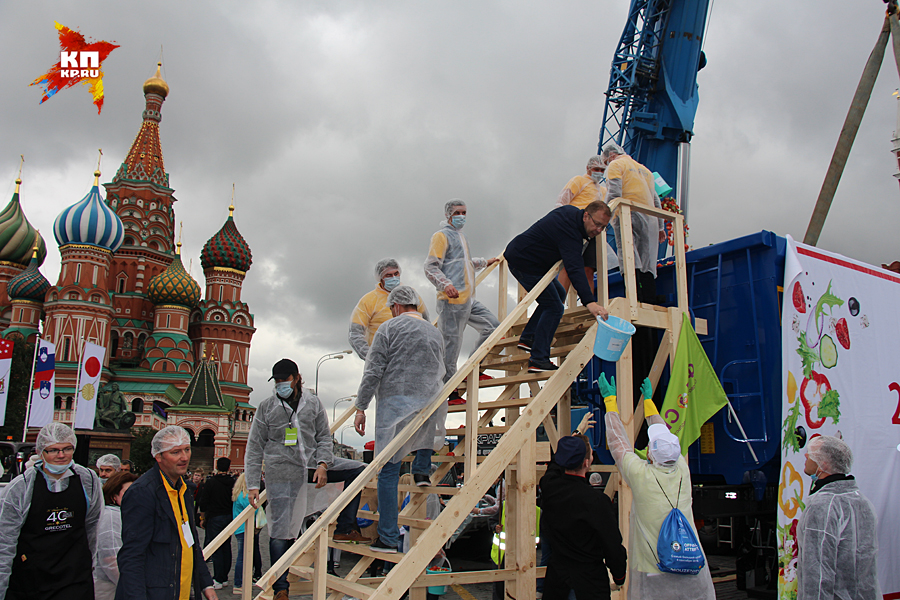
(647, 393)
(608, 392)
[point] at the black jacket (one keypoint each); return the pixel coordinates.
(581, 524)
(215, 495)
(558, 235)
(150, 557)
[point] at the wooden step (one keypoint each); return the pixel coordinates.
(512, 402)
(515, 379)
(349, 588)
(522, 357)
(440, 490)
(563, 329)
(365, 550)
(403, 520)
(481, 430)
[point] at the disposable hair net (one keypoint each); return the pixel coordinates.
(383, 265)
(596, 479)
(832, 454)
(404, 295)
(54, 433)
(168, 438)
(611, 148)
(451, 206)
(109, 460)
(595, 161)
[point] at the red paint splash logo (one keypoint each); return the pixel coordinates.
(79, 62)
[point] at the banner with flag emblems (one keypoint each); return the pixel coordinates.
(6, 350)
(88, 385)
(42, 388)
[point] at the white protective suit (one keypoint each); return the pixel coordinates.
(286, 466)
(403, 372)
(645, 229)
(109, 542)
(449, 263)
(17, 501)
(838, 545)
(648, 511)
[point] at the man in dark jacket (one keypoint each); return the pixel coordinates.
(558, 236)
(161, 556)
(215, 507)
(581, 525)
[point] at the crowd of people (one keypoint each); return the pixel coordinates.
(71, 532)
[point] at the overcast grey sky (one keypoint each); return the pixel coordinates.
(346, 125)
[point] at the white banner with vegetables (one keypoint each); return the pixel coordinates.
(840, 368)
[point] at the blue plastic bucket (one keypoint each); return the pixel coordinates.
(438, 590)
(612, 337)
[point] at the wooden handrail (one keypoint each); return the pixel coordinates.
(232, 527)
(330, 515)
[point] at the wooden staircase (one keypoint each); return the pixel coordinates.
(517, 453)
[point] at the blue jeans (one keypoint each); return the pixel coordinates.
(346, 521)
(388, 480)
(221, 558)
(543, 322)
(277, 548)
(239, 563)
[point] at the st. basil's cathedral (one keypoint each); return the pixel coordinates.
(177, 355)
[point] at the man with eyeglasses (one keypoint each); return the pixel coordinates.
(579, 192)
(161, 555)
(557, 236)
(48, 523)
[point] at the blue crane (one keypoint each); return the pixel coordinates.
(652, 96)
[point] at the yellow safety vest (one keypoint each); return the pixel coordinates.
(498, 543)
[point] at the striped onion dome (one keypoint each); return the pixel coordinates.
(227, 248)
(174, 285)
(29, 284)
(17, 236)
(90, 221)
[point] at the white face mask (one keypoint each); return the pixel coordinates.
(283, 389)
(597, 177)
(57, 469)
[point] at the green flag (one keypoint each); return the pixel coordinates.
(694, 393)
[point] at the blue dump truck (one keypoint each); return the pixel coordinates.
(737, 287)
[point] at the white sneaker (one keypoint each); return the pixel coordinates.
(237, 591)
(217, 585)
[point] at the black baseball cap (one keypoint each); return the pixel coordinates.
(283, 369)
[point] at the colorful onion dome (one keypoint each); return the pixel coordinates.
(156, 84)
(90, 221)
(17, 236)
(174, 285)
(30, 284)
(227, 248)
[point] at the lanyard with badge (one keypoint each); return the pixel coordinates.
(291, 433)
(185, 525)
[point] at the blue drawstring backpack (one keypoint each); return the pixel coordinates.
(677, 548)
(363, 523)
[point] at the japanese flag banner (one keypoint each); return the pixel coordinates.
(840, 343)
(43, 385)
(88, 385)
(6, 348)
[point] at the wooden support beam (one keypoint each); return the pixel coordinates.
(503, 298)
(526, 523)
(320, 586)
(470, 447)
(680, 266)
(400, 579)
(627, 264)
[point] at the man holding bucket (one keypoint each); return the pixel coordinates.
(558, 236)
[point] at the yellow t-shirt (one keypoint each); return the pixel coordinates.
(583, 191)
(176, 497)
(637, 180)
(372, 311)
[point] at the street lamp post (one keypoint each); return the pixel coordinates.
(342, 432)
(329, 356)
(344, 399)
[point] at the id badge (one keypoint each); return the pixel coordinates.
(290, 436)
(186, 531)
